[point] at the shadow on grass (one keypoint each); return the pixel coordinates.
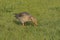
(29, 23)
(17, 22)
(26, 23)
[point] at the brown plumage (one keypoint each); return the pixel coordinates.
(25, 17)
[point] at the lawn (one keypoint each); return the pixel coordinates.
(47, 12)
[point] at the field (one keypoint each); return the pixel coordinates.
(47, 12)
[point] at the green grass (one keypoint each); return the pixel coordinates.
(47, 13)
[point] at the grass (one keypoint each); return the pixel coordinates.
(47, 13)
